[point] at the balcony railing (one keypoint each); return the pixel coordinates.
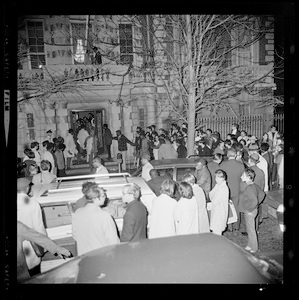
(113, 74)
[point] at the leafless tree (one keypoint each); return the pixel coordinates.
(187, 57)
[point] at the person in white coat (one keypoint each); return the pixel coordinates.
(162, 213)
(273, 134)
(219, 197)
(70, 148)
(203, 219)
(186, 211)
(29, 212)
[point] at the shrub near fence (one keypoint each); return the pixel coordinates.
(254, 124)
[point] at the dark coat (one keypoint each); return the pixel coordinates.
(182, 151)
(122, 142)
(234, 170)
(213, 166)
(204, 180)
(135, 222)
(155, 185)
(107, 136)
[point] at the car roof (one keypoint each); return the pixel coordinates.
(164, 163)
(194, 258)
(70, 189)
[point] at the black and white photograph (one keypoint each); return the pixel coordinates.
(150, 148)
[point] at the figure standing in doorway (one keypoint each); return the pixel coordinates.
(107, 140)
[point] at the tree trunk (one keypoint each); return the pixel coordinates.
(191, 96)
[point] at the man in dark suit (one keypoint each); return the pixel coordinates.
(135, 218)
(235, 130)
(268, 156)
(203, 176)
(234, 170)
(259, 180)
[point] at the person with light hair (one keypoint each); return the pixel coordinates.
(44, 177)
(162, 212)
(203, 219)
(93, 227)
(186, 211)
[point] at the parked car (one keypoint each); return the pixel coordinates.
(275, 207)
(176, 168)
(56, 201)
(196, 258)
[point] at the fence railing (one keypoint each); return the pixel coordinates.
(254, 124)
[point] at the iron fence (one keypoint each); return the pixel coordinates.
(254, 124)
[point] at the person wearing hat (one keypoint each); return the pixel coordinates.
(48, 136)
(262, 162)
(234, 170)
(29, 212)
(146, 167)
(259, 178)
(122, 147)
(203, 176)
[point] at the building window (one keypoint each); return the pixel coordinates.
(36, 44)
(31, 127)
(142, 118)
(241, 39)
(126, 43)
(169, 48)
(78, 33)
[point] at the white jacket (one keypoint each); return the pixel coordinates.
(219, 213)
(31, 215)
(162, 217)
(186, 216)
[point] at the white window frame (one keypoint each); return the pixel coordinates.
(237, 60)
(133, 47)
(27, 37)
(71, 37)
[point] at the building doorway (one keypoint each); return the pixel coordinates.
(96, 118)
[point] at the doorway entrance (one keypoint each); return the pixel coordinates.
(96, 118)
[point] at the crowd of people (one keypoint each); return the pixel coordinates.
(173, 143)
(242, 169)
